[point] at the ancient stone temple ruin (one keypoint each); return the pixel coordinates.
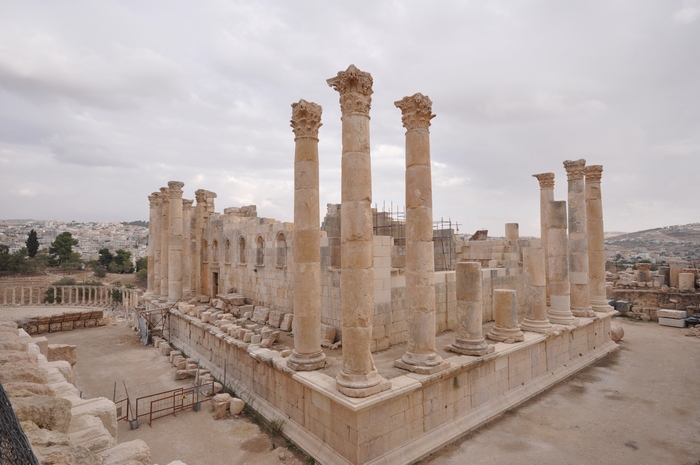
(426, 355)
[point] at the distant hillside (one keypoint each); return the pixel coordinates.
(680, 242)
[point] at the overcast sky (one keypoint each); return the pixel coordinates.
(102, 103)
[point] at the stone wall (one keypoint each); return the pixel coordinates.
(647, 302)
(62, 322)
(417, 415)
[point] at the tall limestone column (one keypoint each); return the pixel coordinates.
(469, 339)
(596, 239)
(307, 354)
(186, 248)
(546, 181)
(157, 243)
(578, 240)
(199, 223)
(164, 240)
(536, 315)
(205, 206)
(358, 376)
(175, 241)
(558, 257)
(420, 356)
(152, 212)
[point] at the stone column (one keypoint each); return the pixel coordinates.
(175, 241)
(186, 248)
(155, 230)
(558, 257)
(307, 354)
(469, 339)
(536, 315)
(513, 233)
(596, 240)
(506, 329)
(200, 212)
(152, 212)
(578, 240)
(164, 240)
(358, 376)
(546, 181)
(420, 356)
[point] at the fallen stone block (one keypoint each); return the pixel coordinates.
(260, 315)
(134, 452)
(275, 318)
(89, 432)
(64, 455)
(52, 413)
(65, 368)
(65, 352)
(236, 406)
(287, 320)
(327, 335)
(219, 405)
(100, 407)
(19, 371)
(675, 314)
(673, 322)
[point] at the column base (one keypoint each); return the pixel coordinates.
(423, 364)
(361, 385)
(306, 362)
(506, 335)
(536, 326)
(561, 317)
(582, 312)
(475, 348)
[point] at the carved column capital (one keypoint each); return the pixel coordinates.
(593, 173)
(355, 89)
(574, 169)
(546, 180)
(416, 110)
(306, 119)
(153, 199)
(187, 202)
(175, 189)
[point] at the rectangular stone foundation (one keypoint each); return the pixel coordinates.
(419, 414)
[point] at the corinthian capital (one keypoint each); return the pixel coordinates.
(416, 110)
(153, 199)
(574, 169)
(593, 173)
(546, 180)
(355, 89)
(175, 189)
(306, 119)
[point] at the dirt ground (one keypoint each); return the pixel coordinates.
(110, 356)
(637, 406)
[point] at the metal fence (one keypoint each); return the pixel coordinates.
(14, 445)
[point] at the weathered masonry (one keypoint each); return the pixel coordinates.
(231, 276)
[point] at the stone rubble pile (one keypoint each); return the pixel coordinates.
(60, 425)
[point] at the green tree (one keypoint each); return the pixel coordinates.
(61, 250)
(106, 257)
(142, 270)
(123, 260)
(32, 244)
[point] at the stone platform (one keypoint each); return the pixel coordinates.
(417, 415)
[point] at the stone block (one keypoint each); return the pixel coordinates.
(675, 314)
(134, 452)
(100, 407)
(236, 406)
(52, 413)
(287, 320)
(89, 432)
(65, 352)
(43, 345)
(261, 315)
(676, 323)
(275, 318)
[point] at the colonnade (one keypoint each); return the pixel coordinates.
(89, 296)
